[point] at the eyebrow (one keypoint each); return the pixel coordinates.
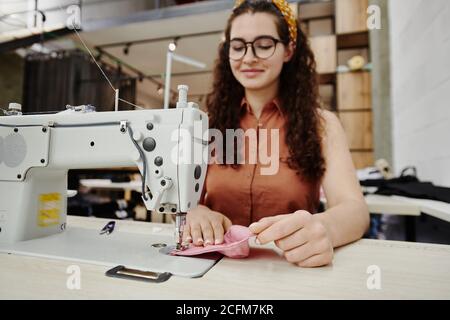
(261, 36)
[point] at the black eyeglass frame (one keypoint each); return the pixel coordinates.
(251, 43)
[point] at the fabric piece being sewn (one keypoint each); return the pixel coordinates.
(235, 244)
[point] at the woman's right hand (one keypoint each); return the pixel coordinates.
(205, 226)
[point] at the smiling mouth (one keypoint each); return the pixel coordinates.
(251, 73)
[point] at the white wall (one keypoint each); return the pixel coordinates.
(420, 78)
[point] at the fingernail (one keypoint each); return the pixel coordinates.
(207, 243)
(217, 241)
(188, 239)
(257, 241)
(199, 240)
(252, 225)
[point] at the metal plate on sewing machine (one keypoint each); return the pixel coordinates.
(22, 148)
(134, 251)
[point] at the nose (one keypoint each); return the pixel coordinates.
(249, 55)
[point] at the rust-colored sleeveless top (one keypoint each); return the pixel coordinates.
(244, 194)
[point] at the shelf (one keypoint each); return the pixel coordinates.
(358, 128)
(352, 40)
(355, 71)
(337, 31)
(354, 110)
(319, 10)
(354, 91)
(361, 150)
(351, 16)
(324, 48)
(362, 159)
(327, 78)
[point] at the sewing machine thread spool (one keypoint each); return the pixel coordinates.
(14, 109)
(182, 96)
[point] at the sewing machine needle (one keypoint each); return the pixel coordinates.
(180, 221)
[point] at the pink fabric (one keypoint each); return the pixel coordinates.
(235, 244)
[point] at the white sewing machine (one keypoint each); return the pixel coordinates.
(36, 152)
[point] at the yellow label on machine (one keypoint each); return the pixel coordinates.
(49, 209)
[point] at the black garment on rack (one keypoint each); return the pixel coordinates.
(409, 186)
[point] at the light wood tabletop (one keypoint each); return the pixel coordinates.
(437, 209)
(381, 204)
(405, 206)
(406, 271)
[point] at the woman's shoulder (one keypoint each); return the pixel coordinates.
(330, 121)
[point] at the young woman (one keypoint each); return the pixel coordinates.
(265, 78)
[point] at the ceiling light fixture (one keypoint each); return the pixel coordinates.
(173, 44)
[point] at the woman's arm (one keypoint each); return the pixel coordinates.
(347, 216)
(308, 239)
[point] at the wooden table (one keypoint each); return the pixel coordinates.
(407, 271)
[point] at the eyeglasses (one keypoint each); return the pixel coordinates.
(263, 47)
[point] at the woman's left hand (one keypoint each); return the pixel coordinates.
(303, 238)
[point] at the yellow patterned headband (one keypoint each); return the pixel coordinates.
(287, 13)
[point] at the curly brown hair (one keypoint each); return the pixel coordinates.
(298, 93)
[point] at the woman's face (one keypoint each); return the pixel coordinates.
(252, 72)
